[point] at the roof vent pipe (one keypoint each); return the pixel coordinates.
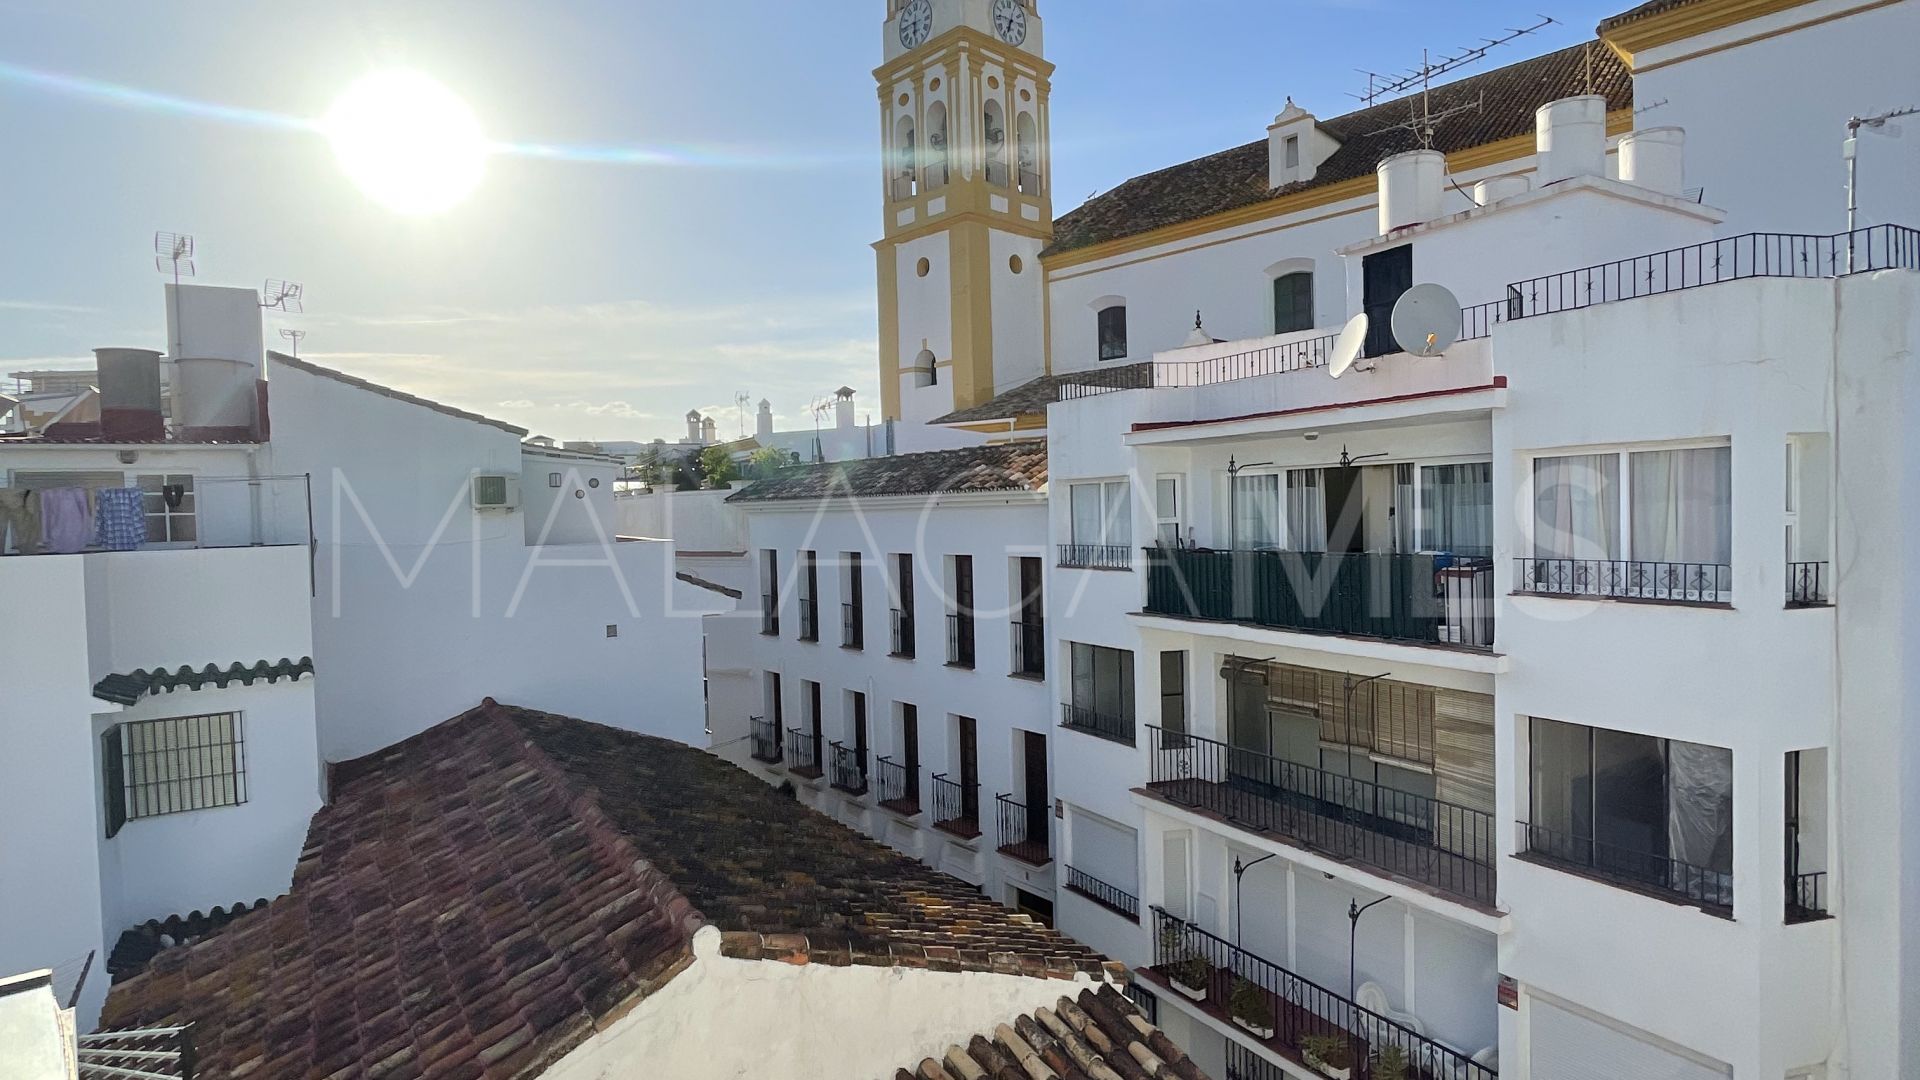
(1410, 188)
(1655, 159)
(1494, 188)
(1570, 138)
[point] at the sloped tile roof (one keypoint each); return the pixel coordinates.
(1644, 11)
(1033, 397)
(1014, 466)
(1075, 1039)
(476, 900)
(127, 688)
(1238, 177)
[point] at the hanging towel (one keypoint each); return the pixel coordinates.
(122, 518)
(20, 509)
(66, 519)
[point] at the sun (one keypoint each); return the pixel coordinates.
(408, 142)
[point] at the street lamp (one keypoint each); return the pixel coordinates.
(1353, 684)
(1354, 910)
(1239, 870)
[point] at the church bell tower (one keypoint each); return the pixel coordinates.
(967, 196)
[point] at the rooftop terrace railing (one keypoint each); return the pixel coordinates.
(170, 511)
(161, 1053)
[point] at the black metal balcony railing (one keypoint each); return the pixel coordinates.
(899, 788)
(1426, 599)
(160, 1053)
(960, 640)
(902, 634)
(1024, 831)
(1806, 897)
(848, 768)
(765, 736)
(1296, 355)
(1806, 584)
(1144, 1000)
(1029, 648)
(956, 807)
(803, 753)
(1116, 900)
(1731, 258)
(1096, 557)
(1117, 728)
(1450, 848)
(853, 628)
(809, 619)
(770, 614)
(1642, 871)
(1616, 579)
(1300, 1009)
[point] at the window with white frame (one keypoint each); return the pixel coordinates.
(1456, 508)
(173, 765)
(1808, 513)
(169, 503)
(1099, 514)
(1653, 524)
(1166, 511)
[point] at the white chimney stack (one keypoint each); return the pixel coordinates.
(1655, 159)
(708, 430)
(1410, 188)
(763, 423)
(693, 425)
(1494, 188)
(843, 408)
(1570, 138)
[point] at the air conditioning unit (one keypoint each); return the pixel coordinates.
(496, 491)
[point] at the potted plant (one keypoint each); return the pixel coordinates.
(1250, 1008)
(1390, 1063)
(1330, 1054)
(1186, 969)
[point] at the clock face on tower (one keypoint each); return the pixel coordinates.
(1010, 21)
(916, 23)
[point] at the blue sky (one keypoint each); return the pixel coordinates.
(591, 300)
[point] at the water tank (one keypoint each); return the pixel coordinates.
(1655, 159)
(1494, 188)
(1410, 187)
(212, 392)
(1570, 136)
(129, 382)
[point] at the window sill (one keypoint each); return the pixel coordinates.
(854, 648)
(1028, 676)
(1117, 740)
(958, 666)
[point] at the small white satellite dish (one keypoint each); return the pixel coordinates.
(1426, 320)
(1346, 348)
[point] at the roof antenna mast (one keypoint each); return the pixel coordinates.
(173, 253)
(1422, 118)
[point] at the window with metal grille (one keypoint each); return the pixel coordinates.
(169, 504)
(155, 767)
(1113, 333)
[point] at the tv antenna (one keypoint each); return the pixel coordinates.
(1421, 118)
(741, 400)
(173, 253)
(293, 336)
(1850, 150)
(284, 295)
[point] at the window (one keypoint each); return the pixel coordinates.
(770, 592)
(853, 609)
(1029, 628)
(1099, 514)
(809, 596)
(906, 169)
(936, 171)
(155, 767)
(1113, 332)
(1808, 507)
(902, 615)
(1293, 302)
(1673, 518)
(1255, 499)
(960, 618)
(169, 504)
(812, 749)
(1173, 690)
(1652, 812)
(1290, 152)
(1456, 508)
(994, 125)
(1806, 808)
(1102, 689)
(1026, 135)
(1166, 511)
(1384, 277)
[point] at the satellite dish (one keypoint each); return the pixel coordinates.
(1426, 320)
(1346, 348)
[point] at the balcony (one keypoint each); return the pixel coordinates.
(809, 619)
(1650, 873)
(1023, 830)
(848, 768)
(770, 614)
(1116, 728)
(1298, 1018)
(899, 787)
(959, 640)
(1806, 897)
(1095, 557)
(1416, 599)
(803, 754)
(154, 1053)
(1808, 584)
(1618, 579)
(765, 737)
(902, 623)
(1121, 903)
(176, 512)
(1435, 844)
(956, 807)
(1029, 648)
(853, 629)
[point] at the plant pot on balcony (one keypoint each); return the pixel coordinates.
(1247, 1004)
(1329, 1055)
(1196, 994)
(1258, 1032)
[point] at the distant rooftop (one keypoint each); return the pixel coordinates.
(1014, 466)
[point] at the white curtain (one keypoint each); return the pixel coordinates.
(1683, 506)
(1119, 514)
(1306, 511)
(1256, 511)
(1576, 507)
(1087, 508)
(1457, 501)
(1403, 508)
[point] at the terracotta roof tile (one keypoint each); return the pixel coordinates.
(1097, 1034)
(1644, 11)
(1014, 466)
(128, 687)
(1033, 397)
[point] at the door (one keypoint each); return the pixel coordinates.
(813, 719)
(779, 719)
(1346, 510)
(860, 734)
(1384, 276)
(910, 740)
(969, 769)
(1037, 798)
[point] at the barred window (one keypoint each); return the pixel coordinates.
(169, 502)
(155, 767)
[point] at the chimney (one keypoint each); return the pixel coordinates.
(1570, 139)
(214, 341)
(1296, 146)
(763, 421)
(1410, 188)
(1655, 159)
(693, 425)
(708, 430)
(1494, 188)
(843, 408)
(129, 381)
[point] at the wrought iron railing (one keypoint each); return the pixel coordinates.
(1299, 1009)
(803, 753)
(853, 629)
(765, 736)
(959, 639)
(1806, 897)
(848, 768)
(770, 614)
(1145, 1000)
(899, 786)
(809, 619)
(902, 623)
(1428, 599)
(1296, 355)
(1093, 722)
(1029, 647)
(1096, 557)
(1448, 847)
(1111, 897)
(1024, 831)
(1806, 584)
(1731, 258)
(1647, 871)
(1622, 579)
(956, 806)
(1106, 380)
(161, 1053)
